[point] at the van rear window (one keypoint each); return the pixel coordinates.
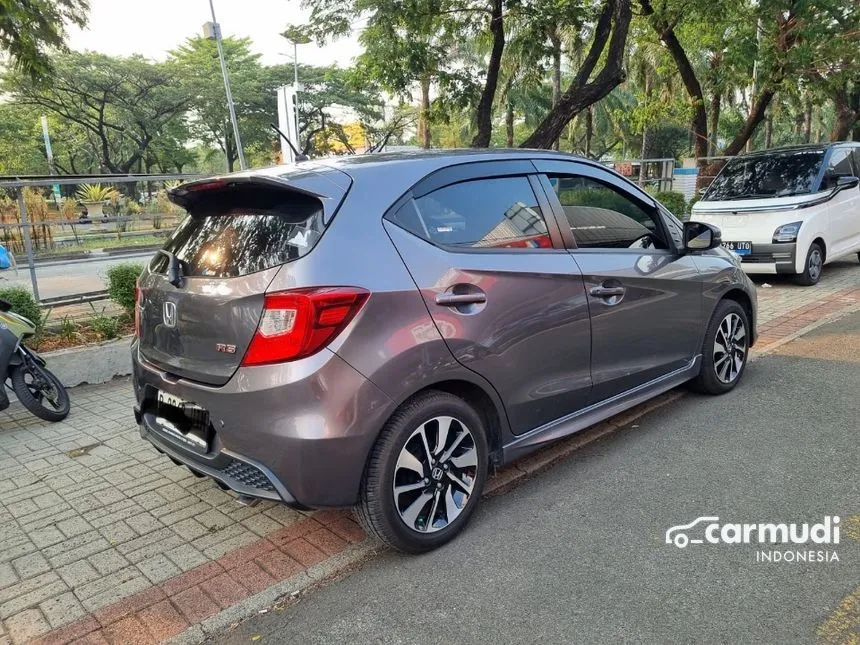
(235, 233)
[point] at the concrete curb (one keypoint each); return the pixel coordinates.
(92, 363)
(305, 581)
(826, 320)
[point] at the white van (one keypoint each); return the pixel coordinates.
(788, 210)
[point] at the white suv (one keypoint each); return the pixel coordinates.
(788, 210)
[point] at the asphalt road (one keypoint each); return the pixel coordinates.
(577, 553)
(65, 278)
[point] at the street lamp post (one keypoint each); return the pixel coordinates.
(297, 36)
(295, 42)
(213, 30)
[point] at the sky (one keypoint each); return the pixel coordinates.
(154, 27)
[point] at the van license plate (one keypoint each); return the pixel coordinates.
(738, 248)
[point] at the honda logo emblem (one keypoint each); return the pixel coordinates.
(170, 314)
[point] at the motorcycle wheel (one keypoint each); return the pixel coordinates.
(40, 392)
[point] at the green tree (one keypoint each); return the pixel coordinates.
(120, 105)
(32, 30)
(608, 38)
(253, 86)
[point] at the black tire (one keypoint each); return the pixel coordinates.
(378, 509)
(34, 401)
(709, 380)
(812, 268)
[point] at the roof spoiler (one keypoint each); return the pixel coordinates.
(186, 194)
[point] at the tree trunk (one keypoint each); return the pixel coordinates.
(756, 116)
(484, 115)
(855, 106)
(644, 149)
(424, 114)
(666, 33)
(509, 123)
(555, 42)
(846, 115)
(713, 128)
(589, 130)
(581, 93)
(768, 132)
(807, 121)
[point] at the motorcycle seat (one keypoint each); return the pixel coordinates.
(5, 305)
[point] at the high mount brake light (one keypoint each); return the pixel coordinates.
(298, 323)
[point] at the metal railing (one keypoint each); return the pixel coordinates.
(63, 237)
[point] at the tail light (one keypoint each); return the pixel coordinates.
(137, 298)
(298, 323)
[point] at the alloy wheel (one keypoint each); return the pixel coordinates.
(815, 264)
(730, 348)
(435, 474)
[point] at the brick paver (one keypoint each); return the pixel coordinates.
(106, 540)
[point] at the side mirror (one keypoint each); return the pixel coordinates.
(699, 236)
(846, 181)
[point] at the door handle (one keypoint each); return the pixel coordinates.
(606, 292)
(449, 299)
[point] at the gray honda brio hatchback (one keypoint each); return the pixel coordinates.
(379, 331)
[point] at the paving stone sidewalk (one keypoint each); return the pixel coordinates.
(104, 539)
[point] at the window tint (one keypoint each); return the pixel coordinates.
(767, 175)
(242, 233)
(485, 213)
(856, 154)
(601, 217)
(838, 166)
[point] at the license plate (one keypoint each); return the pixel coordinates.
(172, 400)
(738, 248)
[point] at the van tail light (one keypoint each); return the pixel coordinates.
(298, 323)
(137, 298)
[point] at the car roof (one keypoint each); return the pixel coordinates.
(419, 163)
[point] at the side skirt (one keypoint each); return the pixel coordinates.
(593, 414)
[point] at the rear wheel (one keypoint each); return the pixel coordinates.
(40, 392)
(426, 473)
(812, 269)
(725, 349)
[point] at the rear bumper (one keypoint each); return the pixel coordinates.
(297, 432)
(239, 474)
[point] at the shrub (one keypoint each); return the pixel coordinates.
(674, 201)
(97, 193)
(122, 280)
(105, 326)
(68, 330)
(24, 304)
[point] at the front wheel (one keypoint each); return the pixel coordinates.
(812, 269)
(40, 391)
(725, 349)
(426, 473)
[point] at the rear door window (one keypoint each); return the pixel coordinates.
(499, 213)
(243, 231)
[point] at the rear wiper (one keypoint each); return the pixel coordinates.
(174, 268)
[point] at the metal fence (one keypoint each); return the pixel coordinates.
(67, 231)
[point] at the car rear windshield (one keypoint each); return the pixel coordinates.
(764, 176)
(243, 230)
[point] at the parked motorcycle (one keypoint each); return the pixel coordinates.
(36, 388)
